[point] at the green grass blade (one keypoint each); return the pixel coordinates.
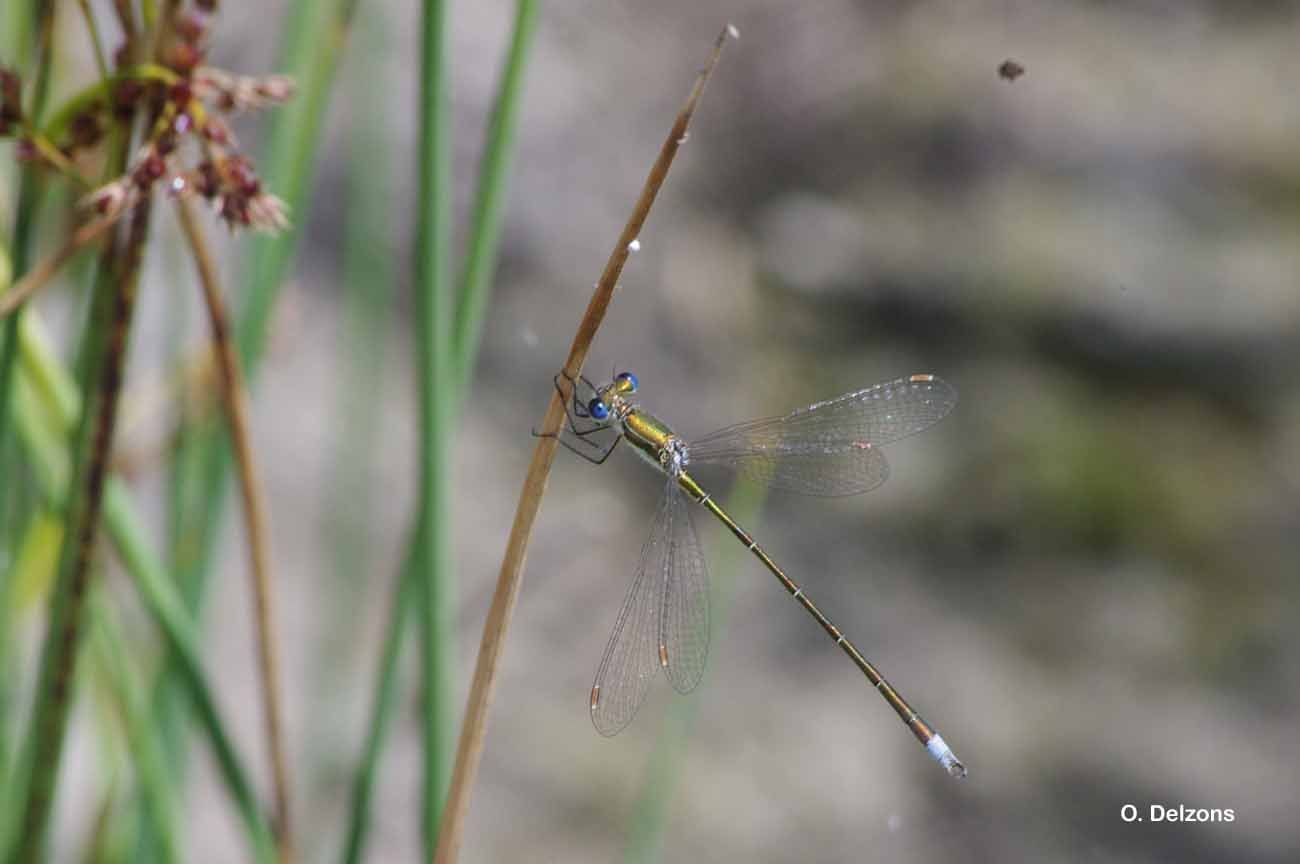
(490, 197)
(155, 783)
(475, 288)
(24, 221)
(381, 716)
(434, 307)
(168, 611)
(32, 28)
(9, 537)
(315, 36)
(368, 268)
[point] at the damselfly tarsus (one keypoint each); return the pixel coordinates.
(830, 448)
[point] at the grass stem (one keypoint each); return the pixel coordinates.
(490, 196)
(115, 300)
(433, 300)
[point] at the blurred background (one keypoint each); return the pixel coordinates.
(1085, 577)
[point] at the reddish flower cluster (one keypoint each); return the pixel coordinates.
(223, 176)
(188, 109)
(232, 185)
(186, 99)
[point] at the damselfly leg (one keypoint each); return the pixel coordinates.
(575, 410)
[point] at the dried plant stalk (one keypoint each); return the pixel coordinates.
(235, 397)
(39, 276)
(470, 748)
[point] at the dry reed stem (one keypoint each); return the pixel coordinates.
(235, 397)
(44, 271)
(470, 748)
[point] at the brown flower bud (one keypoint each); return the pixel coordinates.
(234, 210)
(151, 167)
(207, 182)
(85, 131)
(11, 88)
(126, 95)
(184, 57)
(165, 143)
(240, 176)
(11, 99)
(215, 130)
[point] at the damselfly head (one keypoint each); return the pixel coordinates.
(610, 399)
(624, 382)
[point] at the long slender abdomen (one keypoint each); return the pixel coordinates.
(929, 738)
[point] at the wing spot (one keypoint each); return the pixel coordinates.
(663, 655)
(595, 697)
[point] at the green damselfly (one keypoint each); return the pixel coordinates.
(830, 448)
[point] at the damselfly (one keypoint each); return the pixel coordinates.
(831, 448)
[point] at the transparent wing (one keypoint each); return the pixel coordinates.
(849, 472)
(684, 627)
(663, 621)
(830, 448)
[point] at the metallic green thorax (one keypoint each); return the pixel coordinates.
(650, 436)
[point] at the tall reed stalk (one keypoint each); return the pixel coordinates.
(474, 725)
(110, 325)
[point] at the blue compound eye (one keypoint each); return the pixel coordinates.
(628, 380)
(598, 410)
